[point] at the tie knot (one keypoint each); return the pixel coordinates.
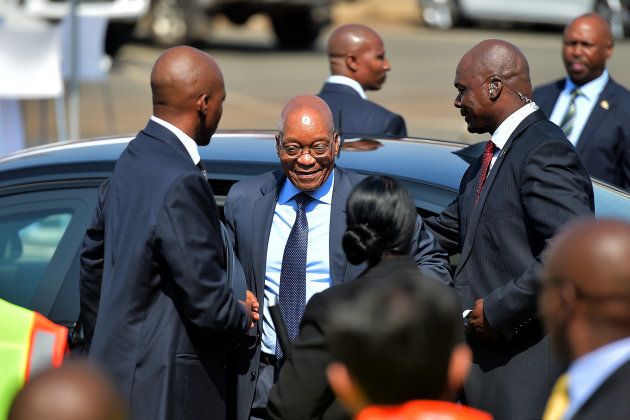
(302, 199)
(489, 149)
(575, 93)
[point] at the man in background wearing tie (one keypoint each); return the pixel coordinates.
(585, 302)
(590, 107)
(155, 301)
(287, 227)
(511, 201)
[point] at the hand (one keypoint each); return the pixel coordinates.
(478, 326)
(251, 307)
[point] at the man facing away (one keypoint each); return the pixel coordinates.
(528, 183)
(591, 108)
(585, 302)
(287, 227)
(154, 296)
(399, 349)
(357, 63)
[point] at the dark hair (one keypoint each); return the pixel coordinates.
(396, 335)
(381, 217)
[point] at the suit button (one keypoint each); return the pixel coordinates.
(253, 376)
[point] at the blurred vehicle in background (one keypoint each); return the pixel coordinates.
(445, 14)
(296, 23)
(48, 195)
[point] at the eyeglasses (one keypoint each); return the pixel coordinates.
(318, 150)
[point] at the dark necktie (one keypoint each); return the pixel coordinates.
(569, 116)
(293, 272)
(203, 169)
(486, 159)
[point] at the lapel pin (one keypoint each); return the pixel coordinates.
(604, 104)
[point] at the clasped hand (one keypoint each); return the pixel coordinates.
(251, 306)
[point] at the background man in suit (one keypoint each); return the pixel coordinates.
(585, 302)
(266, 213)
(528, 183)
(591, 108)
(357, 63)
(397, 341)
(153, 285)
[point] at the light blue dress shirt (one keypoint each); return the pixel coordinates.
(317, 254)
(584, 103)
(590, 371)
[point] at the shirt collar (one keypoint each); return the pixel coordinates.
(343, 80)
(595, 367)
(507, 127)
(323, 193)
(189, 144)
(590, 90)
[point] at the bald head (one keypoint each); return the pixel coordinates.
(356, 51)
(586, 285)
(587, 45)
(71, 392)
(188, 91)
(307, 108)
(493, 82)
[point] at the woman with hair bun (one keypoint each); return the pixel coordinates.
(381, 224)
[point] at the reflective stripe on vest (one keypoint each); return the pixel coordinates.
(29, 343)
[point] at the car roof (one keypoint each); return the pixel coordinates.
(238, 154)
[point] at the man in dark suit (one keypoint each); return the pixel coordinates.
(262, 213)
(154, 297)
(585, 302)
(357, 63)
(591, 108)
(527, 184)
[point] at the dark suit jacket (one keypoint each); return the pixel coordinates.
(360, 116)
(302, 390)
(604, 144)
(610, 401)
(153, 286)
(249, 210)
(536, 185)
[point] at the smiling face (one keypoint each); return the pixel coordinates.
(587, 44)
(307, 127)
(473, 98)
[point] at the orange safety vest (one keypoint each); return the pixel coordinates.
(423, 409)
(29, 344)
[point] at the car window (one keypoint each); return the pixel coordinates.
(611, 202)
(28, 243)
(40, 237)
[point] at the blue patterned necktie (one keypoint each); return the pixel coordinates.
(569, 117)
(293, 272)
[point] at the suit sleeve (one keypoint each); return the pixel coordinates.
(429, 256)
(188, 238)
(395, 126)
(91, 277)
(302, 390)
(445, 227)
(555, 189)
(625, 158)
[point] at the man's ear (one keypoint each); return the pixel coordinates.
(202, 103)
(346, 389)
(336, 143)
(278, 145)
(351, 62)
(458, 368)
(494, 88)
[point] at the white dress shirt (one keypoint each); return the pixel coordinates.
(343, 80)
(584, 103)
(189, 143)
(590, 371)
(317, 254)
(507, 127)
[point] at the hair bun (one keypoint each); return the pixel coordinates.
(361, 243)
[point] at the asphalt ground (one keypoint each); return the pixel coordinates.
(260, 78)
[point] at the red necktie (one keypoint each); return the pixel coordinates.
(488, 151)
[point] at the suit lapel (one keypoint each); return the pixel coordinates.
(477, 210)
(597, 114)
(262, 217)
(337, 257)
